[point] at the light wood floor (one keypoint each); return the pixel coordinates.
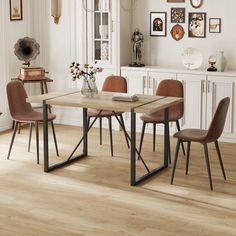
(93, 196)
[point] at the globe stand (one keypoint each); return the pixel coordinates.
(136, 65)
(212, 67)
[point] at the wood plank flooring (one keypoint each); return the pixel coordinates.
(93, 196)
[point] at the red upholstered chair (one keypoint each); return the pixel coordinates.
(172, 88)
(116, 84)
(21, 111)
(204, 137)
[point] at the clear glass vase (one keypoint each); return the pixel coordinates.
(89, 87)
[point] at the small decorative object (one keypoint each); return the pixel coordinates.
(175, 0)
(192, 58)
(212, 62)
(215, 25)
(31, 73)
(158, 23)
(56, 10)
(196, 3)
(16, 10)
(26, 49)
(177, 32)
(137, 39)
(87, 72)
(221, 62)
(177, 15)
(197, 25)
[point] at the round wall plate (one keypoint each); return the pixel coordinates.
(192, 58)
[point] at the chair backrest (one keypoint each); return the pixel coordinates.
(172, 88)
(218, 121)
(17, 95)
(115, 84)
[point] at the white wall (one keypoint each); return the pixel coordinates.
(166, 51)
(10, 32)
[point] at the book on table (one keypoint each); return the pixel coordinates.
(127, 97)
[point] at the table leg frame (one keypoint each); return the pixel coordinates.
(133, 180)
(47, 167)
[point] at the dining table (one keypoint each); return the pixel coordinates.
(103, 101)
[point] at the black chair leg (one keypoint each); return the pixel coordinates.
(54, 137)
(37, 140)
(123, 128)
(13, 138)
(110, 130)
(220, 159)
(154, 137)
(182, 143)
(188, 155)
(100, 129)
(30, 135)
(175, 161)
(141, 138)
(208, 165)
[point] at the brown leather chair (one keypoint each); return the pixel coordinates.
(22, 112)
(204, 137)
(172, 88)
(116, 84)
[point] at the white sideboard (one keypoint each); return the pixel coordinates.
(202, 92)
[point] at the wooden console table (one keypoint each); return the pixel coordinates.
(41, 80)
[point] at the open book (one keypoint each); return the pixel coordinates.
(127, 97)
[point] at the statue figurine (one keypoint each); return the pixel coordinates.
(137, 39)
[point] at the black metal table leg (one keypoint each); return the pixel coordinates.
(45, 135)
(132, 149)
(85, 131)
(166, 137)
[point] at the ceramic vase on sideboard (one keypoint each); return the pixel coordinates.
(221, 62)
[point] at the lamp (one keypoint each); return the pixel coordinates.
(56, 10)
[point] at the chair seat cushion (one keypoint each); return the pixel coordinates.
(104, 113)
(196, 135)
(158, 117)
(33, 116)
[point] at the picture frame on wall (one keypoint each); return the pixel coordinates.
(214, 25)
(197, 25)
(175, 0)
(177, 15)
(158, 24)
(16, 12)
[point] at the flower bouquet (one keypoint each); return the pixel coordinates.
(87, 72)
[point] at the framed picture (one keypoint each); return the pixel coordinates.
(177, 32)
(158, 23)
(215, 25)
(175, 0)
(15, 10)
(177, 15)
(197, 25)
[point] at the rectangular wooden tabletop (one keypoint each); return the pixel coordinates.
(103, 101)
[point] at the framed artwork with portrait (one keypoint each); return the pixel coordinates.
(197, 25)
(15, 10)
(158, 23)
